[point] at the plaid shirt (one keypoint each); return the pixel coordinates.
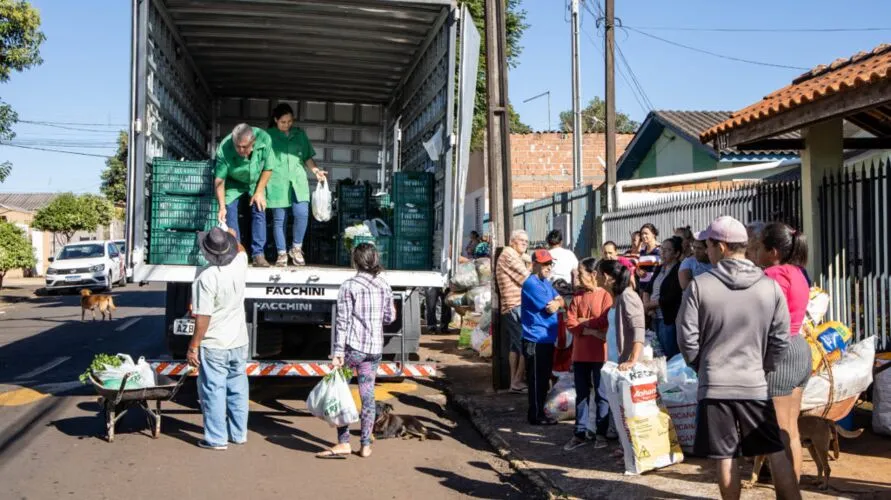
(364, 306)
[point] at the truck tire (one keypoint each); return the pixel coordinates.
(179, 296)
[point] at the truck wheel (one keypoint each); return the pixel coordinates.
(177, 305)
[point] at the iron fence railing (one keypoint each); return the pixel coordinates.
(855, 243)
(765, 201)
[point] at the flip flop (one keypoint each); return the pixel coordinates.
(524, 390)
(331, 454)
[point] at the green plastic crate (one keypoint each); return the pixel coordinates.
(184, 213)
(175, 248)
(413, 187)
(411, 255)
(352, 198)
(412, 222)
(182, 177)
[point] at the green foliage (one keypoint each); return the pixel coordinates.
(594, 119)
(20, 39)
(15, 249)
(69, 213)
(98, 364)
(114, 177)
(515, 24)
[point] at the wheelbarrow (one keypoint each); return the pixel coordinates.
(116, 402)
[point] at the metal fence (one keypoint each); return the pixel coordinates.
(574, 212)
(766, 201)
(855, 244)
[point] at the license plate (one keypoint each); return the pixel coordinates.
(72, 278)
(183, 327)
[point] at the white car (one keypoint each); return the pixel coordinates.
(122, 247)
(86, 264)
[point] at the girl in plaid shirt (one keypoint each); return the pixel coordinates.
(364, 305)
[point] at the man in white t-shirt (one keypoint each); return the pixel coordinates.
(219, 347)
(566, 264)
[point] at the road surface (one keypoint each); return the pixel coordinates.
(51, 429)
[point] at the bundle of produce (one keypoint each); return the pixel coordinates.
(458, 299)
(560, 401)
(481, 298)
(111, 371)
(484, 269)
(465, 277)
(356, 234)
(846, 379)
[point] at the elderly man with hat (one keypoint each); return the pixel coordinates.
(732, 327)
(219, 347)
(539, 305)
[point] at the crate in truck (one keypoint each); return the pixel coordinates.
(190, 178)
(183, 213)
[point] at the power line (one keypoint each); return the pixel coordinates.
(643, 93)
(55, 150)
(80, 124)
(643, 106)
(757, 30)
(714, 54)
(67, 127)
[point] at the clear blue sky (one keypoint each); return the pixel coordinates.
(85, 76)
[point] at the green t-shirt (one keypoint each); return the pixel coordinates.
(242, 174)
(291, 150)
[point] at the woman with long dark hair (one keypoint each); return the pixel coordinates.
(625, 334)
(665, 300)
(783, 255)
(364, 306)
(589, 304)
(289, 186)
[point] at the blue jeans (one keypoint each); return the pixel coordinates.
(587, 377)
(223, 390)
(668, 338)
(300, 210)
(258, 225)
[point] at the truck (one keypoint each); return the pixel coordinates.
(379, 86)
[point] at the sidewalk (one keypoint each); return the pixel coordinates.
(19, 290)
(537, 452)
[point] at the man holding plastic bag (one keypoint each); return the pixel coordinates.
(364, 306)
(219, 347)
(733, 326)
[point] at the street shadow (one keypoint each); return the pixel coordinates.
(422, 404)
(475, 488)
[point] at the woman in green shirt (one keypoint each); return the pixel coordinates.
(289, 186)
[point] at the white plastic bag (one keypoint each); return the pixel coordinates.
(560, 402)
(679, 395)
(645, 429)
(851, 375)
(321, 202)
(141, 374)
(332, 401)
(477, 337)
(465, 277)
(881, 399)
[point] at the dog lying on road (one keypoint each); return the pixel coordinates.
(389, 425)
(88, 301)
(820, 436)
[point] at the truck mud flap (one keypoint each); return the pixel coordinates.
(306, 369)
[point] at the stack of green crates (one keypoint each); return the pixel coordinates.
(182, 203)
(352, 209)
(412, 246)
(322, 242)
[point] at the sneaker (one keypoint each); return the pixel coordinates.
(260, 261)
(600, 442)
(282, 260)
(575, 442)
(207, 446)
(239, 443)
(296, 255)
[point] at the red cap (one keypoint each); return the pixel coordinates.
(542, 256)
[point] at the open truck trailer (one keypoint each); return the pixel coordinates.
(370, 81)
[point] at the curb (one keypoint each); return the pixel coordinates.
(465, 405)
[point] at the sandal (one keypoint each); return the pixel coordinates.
(520, 390)
(331, 454)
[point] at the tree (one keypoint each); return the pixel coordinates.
(114, 177)
(68, 214)
(15, 249)
(593, 119)
(20, 39)
(515, 22)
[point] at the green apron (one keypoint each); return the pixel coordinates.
(289, 182)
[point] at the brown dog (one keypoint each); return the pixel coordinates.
(88, 301)
(389, 425)
(820, 436)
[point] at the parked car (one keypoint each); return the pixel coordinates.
(86, 264)
(122, 246)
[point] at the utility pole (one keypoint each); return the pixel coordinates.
(610, 95)
(577, 127)
(500, 196)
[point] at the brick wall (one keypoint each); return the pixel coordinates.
(541, 163)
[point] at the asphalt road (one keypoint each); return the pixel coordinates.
(52, 430)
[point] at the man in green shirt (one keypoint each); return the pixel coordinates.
(244, 165)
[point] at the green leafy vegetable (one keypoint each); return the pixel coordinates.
(98, 364)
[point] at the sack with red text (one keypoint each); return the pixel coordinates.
(645, 428)
(679, 395)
